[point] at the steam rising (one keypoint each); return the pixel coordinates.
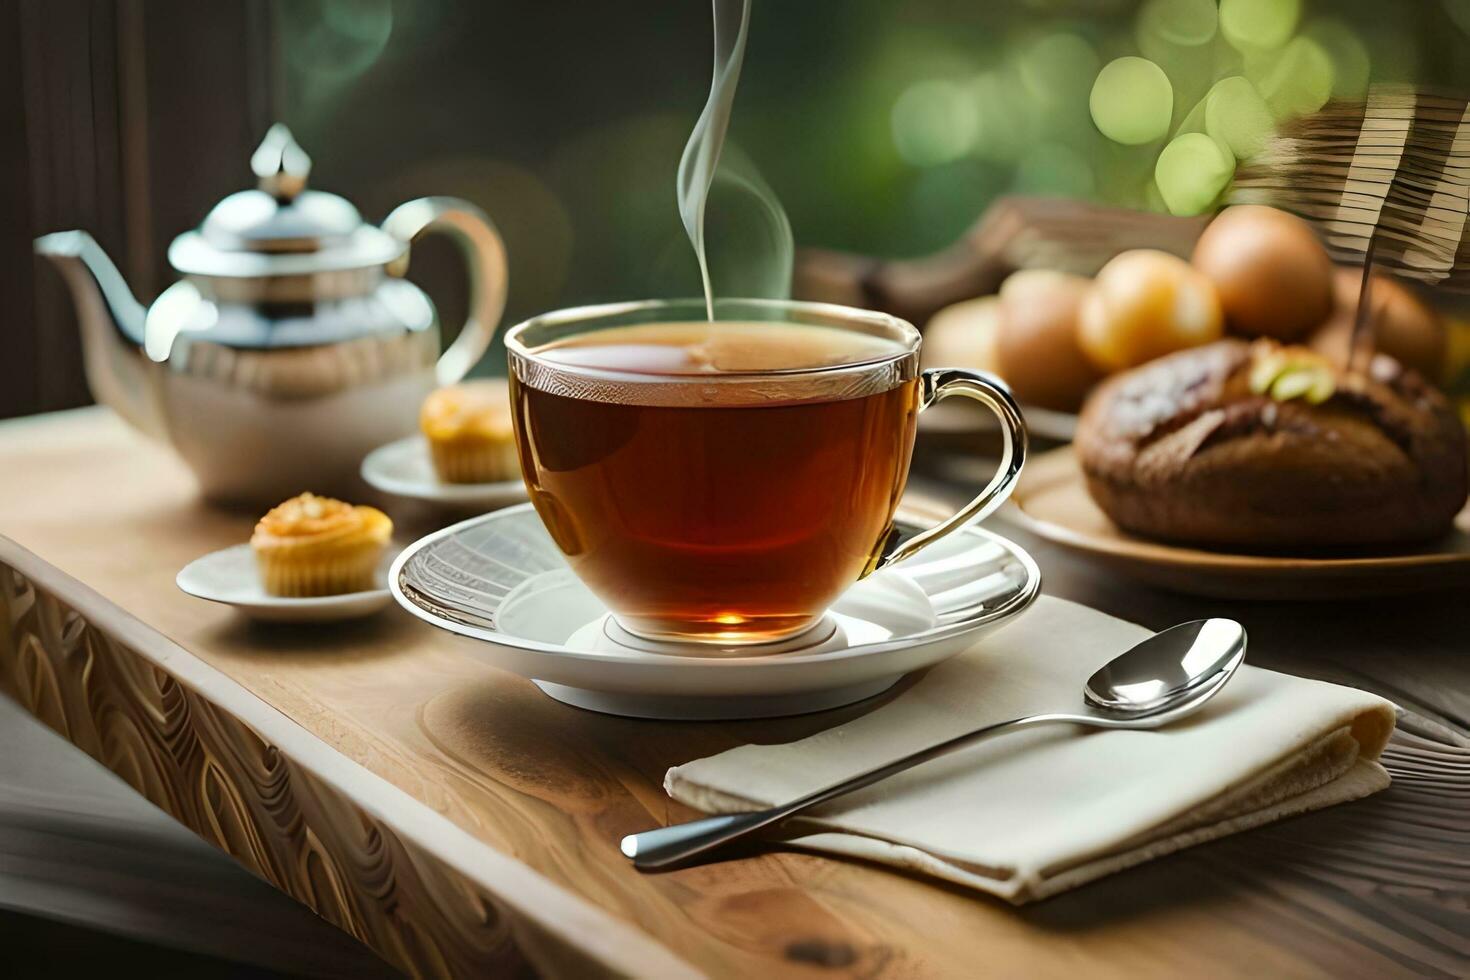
(765, 272)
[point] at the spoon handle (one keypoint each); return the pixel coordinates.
(677, 843)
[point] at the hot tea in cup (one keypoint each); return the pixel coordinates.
(726, 480)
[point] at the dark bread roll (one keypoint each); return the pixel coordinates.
(1183, 449)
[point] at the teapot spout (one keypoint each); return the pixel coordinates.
(111, 321)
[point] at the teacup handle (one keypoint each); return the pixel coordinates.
(476, 236)
(937, 385)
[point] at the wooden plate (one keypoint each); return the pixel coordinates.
(1051, 501)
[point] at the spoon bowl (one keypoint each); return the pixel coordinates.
(1164, 671)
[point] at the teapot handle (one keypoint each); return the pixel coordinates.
(476, 236)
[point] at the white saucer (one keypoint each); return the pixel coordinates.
(230, 576)
(499, 580)
(403, 468)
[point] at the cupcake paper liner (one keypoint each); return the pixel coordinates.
(334, 572)
(479, 461)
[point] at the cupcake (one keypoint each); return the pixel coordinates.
(468, 426)
(313, 546)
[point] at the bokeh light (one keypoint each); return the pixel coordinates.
(1054, 169)
(426, 80)
(1295, 81)
(1351, 63)
(1057, 69)
(1006, 119)
(1132, 101)
(1191, 172)
(1188, 23)
(933, 122)
(1237, 117)
(1225, 70)
(337, 39)
(333, 46)
(1259, 24)
(1003, 126)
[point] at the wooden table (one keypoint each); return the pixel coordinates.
(459, 822)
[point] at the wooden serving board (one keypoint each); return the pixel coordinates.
(1016, 232)
(461, 823)
(1052, 502)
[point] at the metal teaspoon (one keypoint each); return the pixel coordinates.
(1160, 680)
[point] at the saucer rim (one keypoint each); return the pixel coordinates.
(438, 493)
(794, 661)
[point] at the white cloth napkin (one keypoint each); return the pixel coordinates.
(1032, 813)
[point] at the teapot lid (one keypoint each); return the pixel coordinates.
(281, 228)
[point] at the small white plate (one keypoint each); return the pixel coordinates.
(230, 576)
(403, 468)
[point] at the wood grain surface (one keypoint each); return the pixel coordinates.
(101, 522)
(95, 878)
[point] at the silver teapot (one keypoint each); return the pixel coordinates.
(292, 345)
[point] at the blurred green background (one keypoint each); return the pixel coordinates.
(885, 128)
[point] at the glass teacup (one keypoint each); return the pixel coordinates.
(726, 481)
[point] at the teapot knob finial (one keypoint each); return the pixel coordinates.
(280, 164)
